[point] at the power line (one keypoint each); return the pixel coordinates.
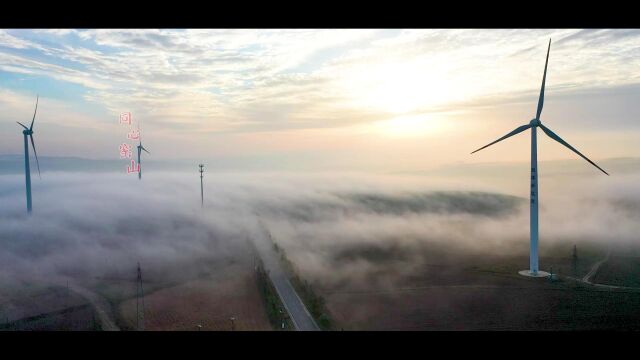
(139, 301)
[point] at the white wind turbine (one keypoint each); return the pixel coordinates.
(533, 125)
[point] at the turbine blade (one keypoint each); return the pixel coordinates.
(145, 150)
(34, 113)
(557, 138)
(35, 153)
(544, 78)
(21, 124)
(516, 131)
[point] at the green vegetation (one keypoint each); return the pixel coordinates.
(276, 312)
(619, 271)
(312, 300)
(314, 303)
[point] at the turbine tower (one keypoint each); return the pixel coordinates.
(534, 124)
(28, 132)
(140, 148)
(201, 186)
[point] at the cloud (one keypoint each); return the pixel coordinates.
(223, 91)
(85, 226)
(10, 41)
(250, 68)
(339, 229)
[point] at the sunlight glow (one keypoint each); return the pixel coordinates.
(411, 126)
(401, 87)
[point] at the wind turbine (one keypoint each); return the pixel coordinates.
(140, 148)
(534, 124)
(201, 166)
(28, 132)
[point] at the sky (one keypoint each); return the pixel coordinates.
(309, 99)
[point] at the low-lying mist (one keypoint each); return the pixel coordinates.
(336, 228)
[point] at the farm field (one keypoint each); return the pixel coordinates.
(207, 291)
(77, 318)
(210, 302)
(38, 306)
(487, 294)
(495, 303)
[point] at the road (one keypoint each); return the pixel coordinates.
(300, 316)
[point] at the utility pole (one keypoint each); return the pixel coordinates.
(68, 295)
(139, 301)
(574, 260)
(201, 186)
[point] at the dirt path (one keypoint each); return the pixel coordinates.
(594, 268)
(99, 304)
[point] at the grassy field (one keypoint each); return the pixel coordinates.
(492, 302)
(619, 271)
(488, 294)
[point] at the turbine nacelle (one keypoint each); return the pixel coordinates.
(26, 131)
(535, 122)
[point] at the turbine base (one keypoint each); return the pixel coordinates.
(538, 274)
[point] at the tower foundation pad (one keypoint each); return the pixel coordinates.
(532, 274)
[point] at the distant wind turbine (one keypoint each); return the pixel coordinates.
(140, 148)
(201, 166)
(534, 124)
(28, 132)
